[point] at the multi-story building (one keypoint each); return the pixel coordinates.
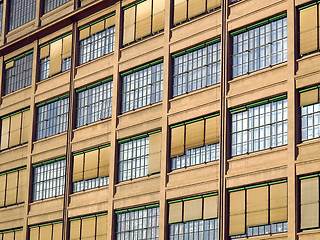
(159, 119)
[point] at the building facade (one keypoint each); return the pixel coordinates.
(159, 119)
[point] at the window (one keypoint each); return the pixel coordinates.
(260, 126)
(48, 231)
(259, 46)
(94, 102)
(12, 187)
(310, 113)
(1, 14)
(195, 142)
(91, 168)
(138, 223)
(18, 72)
(14, 234)
(21, 12)
(309, 202)
(140, 156)
(194, 218)
(142, 86)
(52, 4)
(197, 68)
(55, 56)
(187, 9)
(49, 179)
(258, 210)
(15, 129)
(309, 28)
(52, 117)
(89, 227)
(142, 19)
(97, 39)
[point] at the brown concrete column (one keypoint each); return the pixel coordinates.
(115, 112)
(292, 122)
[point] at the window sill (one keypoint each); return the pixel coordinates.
(14, 148)
(46, 200)
(231, 4)
(266, 236)
(194, 167)
(308, 232)
(103, 188)
(258, 153)
(50, 137)
(16, 92)
(141, 41)
(195, 92)
(136, 180)
(108, 119)
(17, 205)
(140, 109)
(56, 10)
(39, 82)
(94, 60)
(258, 72)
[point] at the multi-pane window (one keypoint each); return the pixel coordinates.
(138, 223)
(94, 102)
(89, 227)
(18, 72)
(194, 218)
(55, 56)
(52, 117)
(12, 187)
(142, 86)
(21, 12)
(12, 234)
(49, 179)
(187, 9)
(310, 113)
(15, 129)
(49, 5)
(48, 231)
(97, 39)
(1, 14)
(139, 156)
(309, 202)
(91, 168)
(195, 142)
(142, 19)
(259, 46)
(309, 28)
(260, 126)
(258, 210)
(197, 68)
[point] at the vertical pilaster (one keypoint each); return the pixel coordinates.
(28, 184)
(223, 124)
(164, 167)
(71, 120)
(115, 112)
(292, 122)
(5, 20)
(38, 13)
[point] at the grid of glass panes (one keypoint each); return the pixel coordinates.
(139, 224)
(21, 12)
(259, 48)
(260, 127)
(142, 88)
(45, 64)
(198, 69)
(195, 156)
(52, 4)
(97, 45)
(134, 158)
(52, 118)
(198, 229)
(19, 76)
(49, 180)
(1, 14)
(94, 104)
(310, 121)
(90, 184)
(264, 230)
